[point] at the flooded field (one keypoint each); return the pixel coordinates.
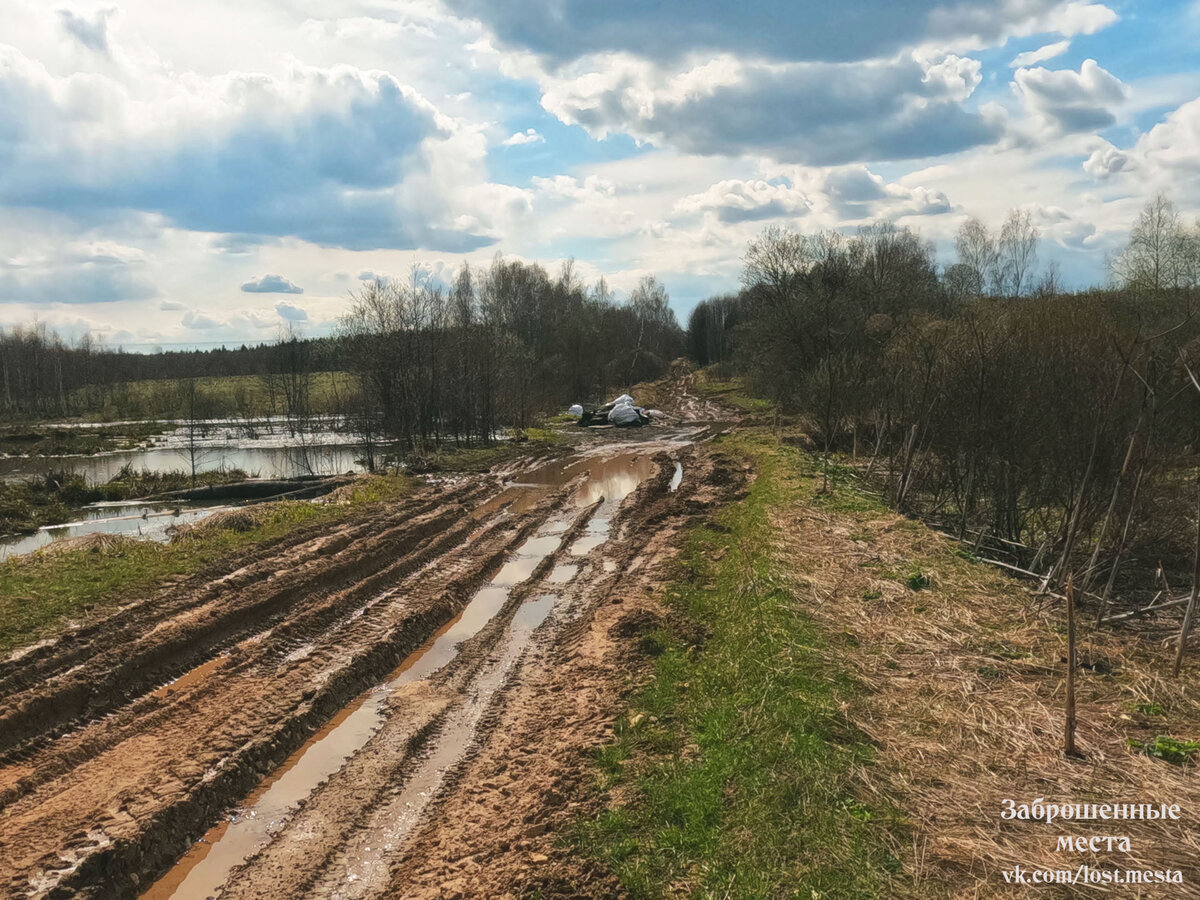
(148, 521)
(267, 449)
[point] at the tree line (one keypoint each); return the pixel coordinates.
(1058, 428)
(497, 348)
(417, 362)
(42, 375)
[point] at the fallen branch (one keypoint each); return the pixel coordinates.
(1153, 607)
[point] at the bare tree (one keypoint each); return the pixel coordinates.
(1160, 253)
(976, 248)
(1018, 252)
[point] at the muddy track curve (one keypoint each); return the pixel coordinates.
(350, 675)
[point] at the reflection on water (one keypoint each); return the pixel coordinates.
(267, 447)
(208, 863)
(149, 521)
(266, 462)
(612, 478)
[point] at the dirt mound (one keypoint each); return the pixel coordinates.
(240, 520)
(92, 543)
(637, 623)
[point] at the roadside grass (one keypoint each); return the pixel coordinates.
(962, 677)
(40, 592)
(449, 458)
(733, 773)
(734, 392)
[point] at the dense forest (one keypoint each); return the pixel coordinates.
(1058, 428)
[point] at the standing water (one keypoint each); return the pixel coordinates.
(147, 521)
(206, 866)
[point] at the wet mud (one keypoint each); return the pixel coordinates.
(326, 715)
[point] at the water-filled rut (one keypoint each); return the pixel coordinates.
(261, 686)
(207, 864)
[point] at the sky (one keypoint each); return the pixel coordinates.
(211, 173)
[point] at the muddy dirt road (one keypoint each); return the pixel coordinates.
(399, 705)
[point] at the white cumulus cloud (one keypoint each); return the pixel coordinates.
(528, 136)
(1041, 54)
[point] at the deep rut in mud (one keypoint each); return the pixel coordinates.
(333, 688)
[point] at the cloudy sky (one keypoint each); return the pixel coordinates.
(199, 173)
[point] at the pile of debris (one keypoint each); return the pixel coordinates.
(621, 413)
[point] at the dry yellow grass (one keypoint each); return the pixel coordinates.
(964, 698)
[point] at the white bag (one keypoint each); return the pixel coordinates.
(624, 414)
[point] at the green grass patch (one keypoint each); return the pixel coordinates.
(1176, 751)
(544, 437)
(39, 591)
(449, 458)
(734, 764)
(733, 391)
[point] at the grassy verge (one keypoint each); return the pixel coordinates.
(479, 459)
(41, 590)
(732, 775)
(735, 392)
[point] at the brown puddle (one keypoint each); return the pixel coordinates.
(207, 864)
(190, 677)
(590, 540)
(369, 851)
(562, 574)
(613, 478)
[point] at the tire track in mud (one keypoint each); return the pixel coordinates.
(139, 663)
(398, 751)
(100, 826)
(98, 811)
(342, 842)
(498, 832)
(35, 665)
(289, 637)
